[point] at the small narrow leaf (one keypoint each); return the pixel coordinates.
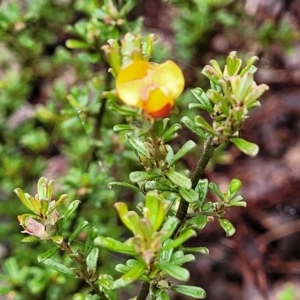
(190, 124)
(89, 244)
(234, 186)
(47, 254)
(205, 103)
(216, 190)
(189, 196)
(153, 204)
(227, 226)
(169, 226)
(134, 274)
(191, 291)
(238, 203)
(30, 239)
(76, 44)
(142, 175)
(114, 245)
(122, 211)
(202, 189)
(77, 230)
(121, 127)
(58, 267)
(122, 110)
(179, 179)
(189, 145)
(202, 123)
(187, 234)
(198, 222)
(246, 147)
(91, 261)
(182, 260)
(71, 208)
(44, 188)
(123, 184)
(25, 200)
(138, 146)
(171, 133)
(174, 271)
(202, 250)
(233, 64)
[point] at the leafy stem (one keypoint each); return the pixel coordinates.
(207, 153)
(83, 273)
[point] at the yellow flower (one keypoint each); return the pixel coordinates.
(152, 87)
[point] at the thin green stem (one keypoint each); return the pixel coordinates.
(207, 153)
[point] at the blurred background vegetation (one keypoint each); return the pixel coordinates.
(53, 124)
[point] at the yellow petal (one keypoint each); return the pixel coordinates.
(169, 76)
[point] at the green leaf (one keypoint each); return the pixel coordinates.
(189, 196)
(187, 234)
(205, 103)
(159, 186)
(174, 271)
(202, 189)
(189, 145)
(191, 291)
(153, 204)
(238, 203)
(89, 244)
(77, 230)
(134, 274)
(202, 250)
(114, 245)
(227, 226)
(121, 127)
(216, 67)
(122, 211)
(25, 200)
(234, 186)
(106, 281)
(47, 254)
(76, 44)
(171, 133)
(182, 260)
(58, 267)
(163, 296)
(138, 146)
(30, 239)
(71, 208)
(169, 226)
(44, 188)
(190, 124)
(251, 61)
(122, 110)
(123, 184)
(198, 222)
(202, 123)
(179, 179)
(246, 147)
(91, 261)
(216, 190)
(233, 64)
(143, 175)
